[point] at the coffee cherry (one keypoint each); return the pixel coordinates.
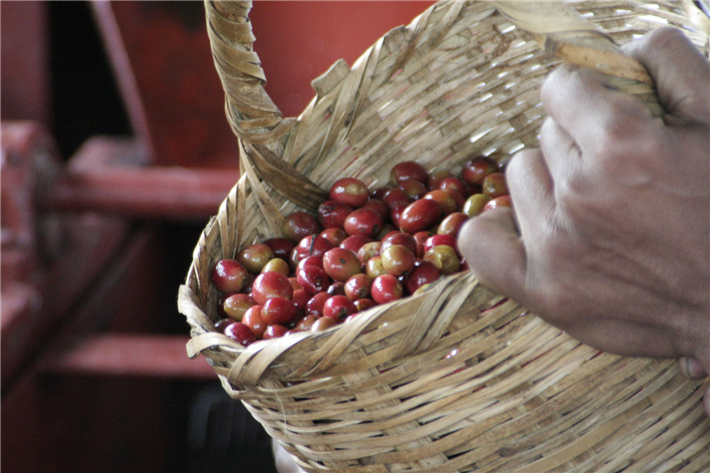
(355, 242)
(299, 225)
(349, 191)
(323, 323)
(306, 323)
(446, 199)
(420, 215)
(453, 183)
(340, 264)
(254, 257)
(316, 303)
(281, 247)
(336, 288)
(334, 235)
(458, 197)
(399, 238)
(474, 204)
(502, 201)
(379, 207)
(386, 228)
(494, 185)
(452, 224)
(398, 260)
(313, 260)
(358, 286)
(406, 171)
(374, 267)
(312, 245)
(338, 307)
(228, 275)
(425, 272)
(369, 250)
(269, 285)
(363, 222)
(274, 331)
(278, 310)
(300, 299)
(386, 288)
(437, 177)
(240, 333)
(235, 305)
(313, 279)
(414, 189)
(332, 214)
(420, 238)
(396, 214)
(439, 239)
(444, 258)
(476, 169)
(252, 319)
(395, 196)
(278, 265)
(380, 192)
(363, 304)
(221, 324)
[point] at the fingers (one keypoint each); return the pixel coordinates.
(680, 72)
(588, 109)
(531, 190)
(491, 244)
(562, 155)
(691, 368)
(494, 251)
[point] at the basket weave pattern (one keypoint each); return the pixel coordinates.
(380, 394)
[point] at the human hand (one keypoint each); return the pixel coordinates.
(609, 237)
(285, 463)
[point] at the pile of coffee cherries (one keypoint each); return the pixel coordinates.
(363, 248)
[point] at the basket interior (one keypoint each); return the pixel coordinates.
(460, 80)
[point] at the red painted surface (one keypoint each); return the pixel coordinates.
(154, 192)
(297, 41)
(154, 356)
(168, 49)
(24, 62)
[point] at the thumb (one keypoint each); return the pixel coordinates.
(494, 251)
(680, 72)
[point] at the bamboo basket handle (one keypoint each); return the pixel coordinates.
(254, 118)
(563, 33)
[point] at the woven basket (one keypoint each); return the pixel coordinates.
(379, 394)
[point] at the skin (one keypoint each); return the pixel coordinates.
(609, 240)
(284, 461)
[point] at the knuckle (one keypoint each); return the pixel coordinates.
(662, 37)
(515, 170)
(572, 196)
(554, 81)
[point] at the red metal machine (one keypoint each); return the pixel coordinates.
(97, 237)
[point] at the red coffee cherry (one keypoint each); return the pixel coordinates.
(349, 191)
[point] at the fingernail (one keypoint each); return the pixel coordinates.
(691, 368)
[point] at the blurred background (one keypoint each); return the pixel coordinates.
(115, 153)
